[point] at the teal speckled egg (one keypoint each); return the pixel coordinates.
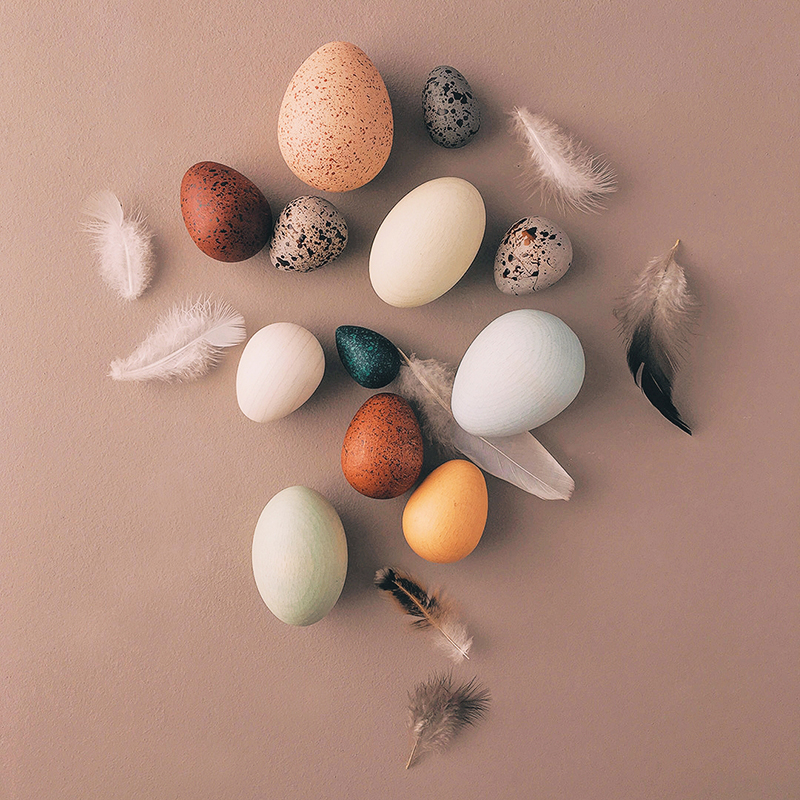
(370, 359)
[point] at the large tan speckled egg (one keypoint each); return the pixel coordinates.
(382, 450)
(335, 125)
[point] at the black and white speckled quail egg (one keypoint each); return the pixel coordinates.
(533, 255)
(310, 233)
(452, 115)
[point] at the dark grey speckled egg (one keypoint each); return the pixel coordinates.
(310, 232)
(452, 116)
(533, 255)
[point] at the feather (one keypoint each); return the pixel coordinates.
(654, 316)
(123, 245)
(438, 710)
(431, 611)
(520, 460)
(184, 345)
(560, 166)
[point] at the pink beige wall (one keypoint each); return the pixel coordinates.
(639, 641)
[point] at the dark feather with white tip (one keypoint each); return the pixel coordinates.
(431, 610)
(655, 315)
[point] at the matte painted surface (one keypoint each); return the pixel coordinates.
(640, 641)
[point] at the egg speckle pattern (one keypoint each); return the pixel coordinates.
(452, 115)
(226, 214)
(533, 255)
(335, 125)
(370, 359)
(310, 233)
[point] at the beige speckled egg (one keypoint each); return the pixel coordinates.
(335, 125)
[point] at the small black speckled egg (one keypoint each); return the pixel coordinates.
(310, 232)
(452, 116)
(533, 255)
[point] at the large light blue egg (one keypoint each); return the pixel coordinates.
(299, 556)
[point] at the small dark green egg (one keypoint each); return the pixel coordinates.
(370, 359)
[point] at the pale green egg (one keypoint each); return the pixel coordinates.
(299, 556)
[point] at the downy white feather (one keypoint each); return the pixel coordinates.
(520, 460)
(560, 166)
(123, 245)
(184, 345)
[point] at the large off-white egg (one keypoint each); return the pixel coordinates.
(520, 371)
(299, 556)
(279, 370)
(427, 242)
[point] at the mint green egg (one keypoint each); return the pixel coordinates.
(299, 556)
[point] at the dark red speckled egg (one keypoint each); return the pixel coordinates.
(382, 450)
(225, 213)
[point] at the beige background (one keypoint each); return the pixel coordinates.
(640, 641)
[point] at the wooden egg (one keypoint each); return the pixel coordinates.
(280, 368)
(444, 518)
(299, 556)
(335, 125)
(427, 242)
(382, 450)
(521, 370)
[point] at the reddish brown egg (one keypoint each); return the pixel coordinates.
(382, 451)
(225, 213)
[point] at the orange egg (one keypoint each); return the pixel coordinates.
(335, 125)
(444, 518)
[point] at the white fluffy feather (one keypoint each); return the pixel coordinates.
(561, 167)
(123, 245)
(520, 460)
(184, 345)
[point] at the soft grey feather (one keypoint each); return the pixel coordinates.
(438, 709)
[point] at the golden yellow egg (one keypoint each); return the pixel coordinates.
(444, 518)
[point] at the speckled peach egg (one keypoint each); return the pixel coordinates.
(444, 518)
(225, 213)
(382, 450)
(335, 125)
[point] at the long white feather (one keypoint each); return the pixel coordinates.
(123, 244)
(184, 345)
(520, 460)
(560, 166)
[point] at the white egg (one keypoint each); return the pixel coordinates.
(299, 556)
(280, 368)
(521, 370)
(427, 242)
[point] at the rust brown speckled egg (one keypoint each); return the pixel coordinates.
(382, 450)
(335, 125)
(225, 213)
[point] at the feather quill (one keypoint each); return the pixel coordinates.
(655, 315)
(431, 611)
(184, 345)
(123, 244)
(520, 460)
(438, 709)
(561, 167)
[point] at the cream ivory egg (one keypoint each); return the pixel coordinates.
(520, 371)
(427, 242)
(279, 370)
(299, 556)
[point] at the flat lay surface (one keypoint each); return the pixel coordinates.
(641, 640)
